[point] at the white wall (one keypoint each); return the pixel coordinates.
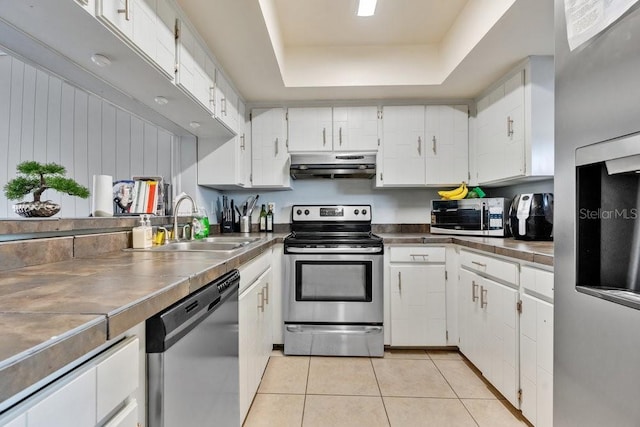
(46, 119)
(389, 206)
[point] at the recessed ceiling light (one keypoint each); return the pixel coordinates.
(100, 60)
(194, 125)
(367, 7)
(161, 100)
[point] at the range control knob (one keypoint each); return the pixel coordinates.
(298, 212)
(356, 212)
(364, 211)
(306, 211)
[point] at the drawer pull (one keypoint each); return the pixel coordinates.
(266, 293)
(474, 288)
(479, 264)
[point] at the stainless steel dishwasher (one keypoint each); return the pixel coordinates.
(192, 359)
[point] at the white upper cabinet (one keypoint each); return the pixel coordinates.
(196, 73)
(118, 15)
(447, 148)
(501, 132)
(515, 122)
(333, 129)
(424, 146)
(166, 37)
(355, 128)
(403, 147)
(269, 157)
(244, 136)
(310, 129)
(226, 102)
(149, 26)
(226, 165)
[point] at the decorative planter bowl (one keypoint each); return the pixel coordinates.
(36, 209)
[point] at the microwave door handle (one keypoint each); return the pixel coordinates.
(482, 208)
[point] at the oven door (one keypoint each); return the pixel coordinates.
(333, 288)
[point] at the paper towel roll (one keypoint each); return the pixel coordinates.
(102, 195)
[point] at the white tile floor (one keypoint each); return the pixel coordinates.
(405, 388)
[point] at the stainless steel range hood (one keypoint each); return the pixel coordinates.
(333, 165)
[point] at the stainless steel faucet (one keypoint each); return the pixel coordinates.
(175, 214)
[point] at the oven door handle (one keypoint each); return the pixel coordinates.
(295, 250)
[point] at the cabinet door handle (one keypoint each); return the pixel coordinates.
(483, 297)
(125, 10)
(324, 136)
(261, 300)
(224, 106)
(340, 135)
(276, 147)
(400, 281)
(474, 288)
(420, 146)
(509, 126)
(266, 293)
(434, 144)
(212, 97)
(479, 264)
(242, 146)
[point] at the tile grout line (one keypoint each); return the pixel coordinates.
(306, 388)
(380, 390)
(456, 393)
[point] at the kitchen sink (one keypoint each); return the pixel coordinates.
(231, 239)
(211, 244)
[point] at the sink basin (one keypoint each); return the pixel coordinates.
(231, 239)
(211, 244)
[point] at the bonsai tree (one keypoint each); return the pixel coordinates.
(34, 177)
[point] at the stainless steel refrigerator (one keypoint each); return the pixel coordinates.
(596, 338)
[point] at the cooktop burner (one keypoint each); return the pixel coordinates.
(332, 226)
(325, 240)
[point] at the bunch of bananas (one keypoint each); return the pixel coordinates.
(455, 194)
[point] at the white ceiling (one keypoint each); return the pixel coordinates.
(290, 50)
(396, 22)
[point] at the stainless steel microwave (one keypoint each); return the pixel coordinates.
(476, 217)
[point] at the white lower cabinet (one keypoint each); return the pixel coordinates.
(98, 392)
(277, 265)
(489, 324)
(255, 327)
(502, 338)
(72, 404)
(126, 417)
(536, 347)
(20, 421)
(418, 296)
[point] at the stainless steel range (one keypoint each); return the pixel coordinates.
(333, 283)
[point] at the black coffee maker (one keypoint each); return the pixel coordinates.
(531, 216)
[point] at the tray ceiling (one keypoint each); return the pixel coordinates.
(287, 50)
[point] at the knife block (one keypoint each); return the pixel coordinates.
(226, 224)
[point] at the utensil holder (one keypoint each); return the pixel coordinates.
(245, 224)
